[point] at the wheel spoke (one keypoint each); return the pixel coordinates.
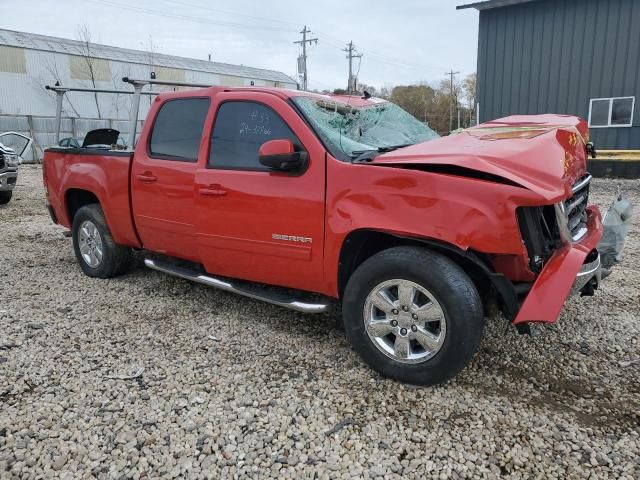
(84, 249)
(399, 319)
(380, 328)
(401, 347)
(382, 302)
(429, 312)
(406, 294)
(428, 340)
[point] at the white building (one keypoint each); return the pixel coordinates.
(28, 62)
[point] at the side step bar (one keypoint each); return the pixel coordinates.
(254, 292)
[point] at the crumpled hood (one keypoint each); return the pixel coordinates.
(544, 153)
(5, 149)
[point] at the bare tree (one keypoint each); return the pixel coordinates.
(84, 37)
(470, 93)
(50, 63)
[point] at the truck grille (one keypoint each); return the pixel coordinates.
(576, 208)
(1, 161)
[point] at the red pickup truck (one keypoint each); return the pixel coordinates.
(302, 200)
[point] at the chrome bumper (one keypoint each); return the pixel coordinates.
(8, 180)
(590, 275)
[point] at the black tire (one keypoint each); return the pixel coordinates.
(453, 290)
(5, 197)
(115, 258)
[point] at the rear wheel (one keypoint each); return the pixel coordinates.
(98, 255)
(5, 197)
(413, 315)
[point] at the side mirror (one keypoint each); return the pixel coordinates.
(280, 155)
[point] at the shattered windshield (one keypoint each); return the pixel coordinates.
(353, 130)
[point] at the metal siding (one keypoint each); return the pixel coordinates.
(32, 41)
(560, 95)
(577, 61)
(554, 56)
(509, 48)
(482, 84)
(527, 53)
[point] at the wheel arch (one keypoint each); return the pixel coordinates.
(362, 244)
(76, 198)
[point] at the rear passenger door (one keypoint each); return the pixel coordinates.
(163, 173)
(254, 223)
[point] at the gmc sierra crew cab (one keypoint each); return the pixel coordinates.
(302, 200)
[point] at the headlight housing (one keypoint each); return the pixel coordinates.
(11, 160)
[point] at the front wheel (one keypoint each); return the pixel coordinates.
(413, 315)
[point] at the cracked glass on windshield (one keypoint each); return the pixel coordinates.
(350, 129)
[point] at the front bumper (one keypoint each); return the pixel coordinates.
(570, 269)
(8, 180)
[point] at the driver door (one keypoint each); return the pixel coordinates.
(253, 223)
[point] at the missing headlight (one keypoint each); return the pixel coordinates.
(540, 233)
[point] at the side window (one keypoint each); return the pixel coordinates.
(177, 129)
(239, 130)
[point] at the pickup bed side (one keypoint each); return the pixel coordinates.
(74, 176)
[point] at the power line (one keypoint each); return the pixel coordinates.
(227, 12)
(189, 18)
(303, 62)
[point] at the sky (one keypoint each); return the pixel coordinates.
(402, 42)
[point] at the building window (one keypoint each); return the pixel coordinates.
(611, 112)
(12, 60)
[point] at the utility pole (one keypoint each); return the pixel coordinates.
(451, 74)
(303, 64)
(351, 48)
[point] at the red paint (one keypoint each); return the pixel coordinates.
(276, 147)
(288, 230)
(553, 285)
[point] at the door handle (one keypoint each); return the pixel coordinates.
(213, 191)
(147, 177)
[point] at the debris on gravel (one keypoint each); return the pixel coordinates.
(282, 395)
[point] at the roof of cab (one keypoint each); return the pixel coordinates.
(355, 101)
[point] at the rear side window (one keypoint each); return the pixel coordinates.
(177, 129)
(240, 128)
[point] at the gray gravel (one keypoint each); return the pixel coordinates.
(281, 394)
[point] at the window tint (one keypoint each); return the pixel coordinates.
(177, 129)
(239, 130)
(600, 113)
(621, 111)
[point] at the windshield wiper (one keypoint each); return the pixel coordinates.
(368, 155)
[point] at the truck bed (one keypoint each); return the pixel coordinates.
(71, 172)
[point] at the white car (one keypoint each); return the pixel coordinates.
(12, 146)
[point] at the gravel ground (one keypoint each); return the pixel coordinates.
(280, 394)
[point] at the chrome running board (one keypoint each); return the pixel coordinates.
(251, 291)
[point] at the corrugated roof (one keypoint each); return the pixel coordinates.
(74, 47)
(486, 5)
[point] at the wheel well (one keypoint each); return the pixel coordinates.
(363, 244)
(76, 199)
